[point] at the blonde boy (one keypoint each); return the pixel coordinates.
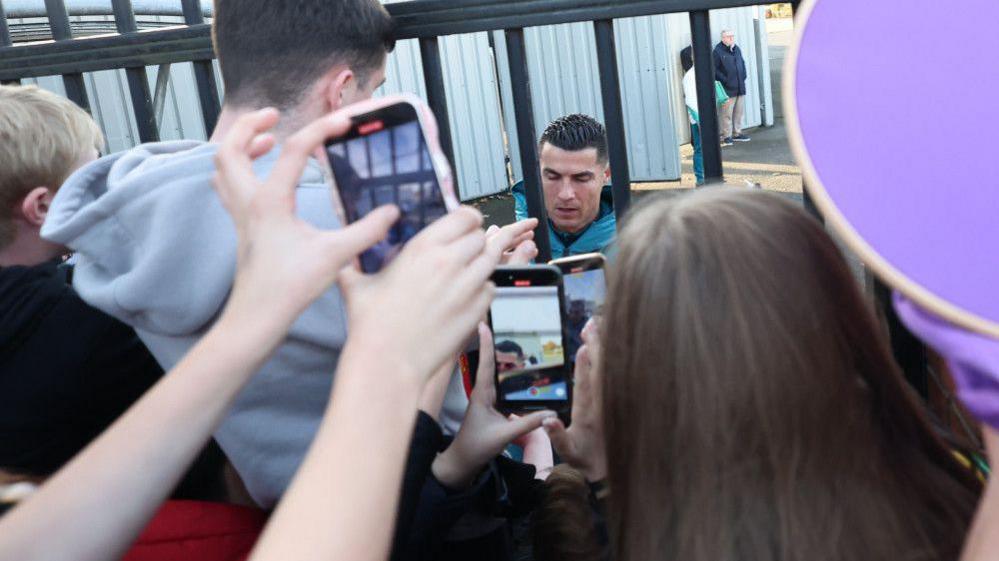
(43, 139)
(67, 370)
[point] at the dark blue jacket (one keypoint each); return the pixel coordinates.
(730, 69)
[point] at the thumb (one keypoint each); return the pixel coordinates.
(485, 388)
(519, 426)
(559, 436)
(349, 242)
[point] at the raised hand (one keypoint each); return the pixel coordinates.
(485, 431)
(422, 306)
(516, 241)
(283, 262)
(582, 444)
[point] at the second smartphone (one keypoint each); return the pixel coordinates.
(584, 289)
(526, 317)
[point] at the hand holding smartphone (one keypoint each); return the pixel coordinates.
(391, 155)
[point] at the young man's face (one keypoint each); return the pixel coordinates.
(572, 183)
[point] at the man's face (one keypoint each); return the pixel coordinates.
(728, 39)
(506, 362)
(572, 183)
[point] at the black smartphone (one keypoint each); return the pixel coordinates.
(585, 289)
(385, 158)
(527, 319)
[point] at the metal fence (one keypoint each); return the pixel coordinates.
(424, 20)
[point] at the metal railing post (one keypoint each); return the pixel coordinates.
(524, 116)
(5, 39)
(704, 69)
(76, 91)
(610, 92)
(204, 73)
(433, 76)
(138, 84)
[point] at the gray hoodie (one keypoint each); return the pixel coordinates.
(156, 249)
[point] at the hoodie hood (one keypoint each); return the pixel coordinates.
(154, 245)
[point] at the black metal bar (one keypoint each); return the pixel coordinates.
(5, 41)
(204, 73)
(433, 76)
(124, 16)
(138, 83)
(430, 18)
(192, 12)
(58, 17)
(91, 54)
(704, 69)
(524, 115)
(420, 18)
(610, 92)
(142, 104)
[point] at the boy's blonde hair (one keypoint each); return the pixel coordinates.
(42, 137)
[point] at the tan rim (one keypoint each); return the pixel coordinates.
(878, 264)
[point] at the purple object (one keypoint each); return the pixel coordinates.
(973, 359)
(895, 107)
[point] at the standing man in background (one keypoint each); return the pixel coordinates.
(730, 70)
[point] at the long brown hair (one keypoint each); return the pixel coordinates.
(752, 408)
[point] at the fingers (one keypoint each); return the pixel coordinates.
(450, 227)
(581, 374)
(261, 145)
(591, 331)
(484, 386)
(467, 247)
(296, 149)
(519, 426)
(348, 243)
(234, 158)
(509, 236)
(561, 441)
(523, 254)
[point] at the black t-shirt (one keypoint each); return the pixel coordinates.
(67, 370)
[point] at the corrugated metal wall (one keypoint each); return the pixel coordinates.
(565, 79)
(473, 106)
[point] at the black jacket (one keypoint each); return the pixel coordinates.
(429, 512)
(67, 370)
(730, 69)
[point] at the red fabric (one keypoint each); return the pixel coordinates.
(199, 531)
(466, 373)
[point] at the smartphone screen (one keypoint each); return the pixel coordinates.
(385, 159)
(530, 352)
(585, 292)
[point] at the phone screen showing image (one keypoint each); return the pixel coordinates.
(530, 352)
(585, 293)
(385, 160)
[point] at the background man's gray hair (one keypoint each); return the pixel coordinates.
(726, 32)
